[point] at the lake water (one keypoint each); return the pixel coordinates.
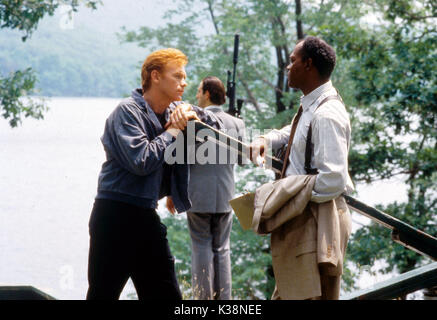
(48, 181)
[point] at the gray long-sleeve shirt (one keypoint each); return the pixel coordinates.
(135, 142)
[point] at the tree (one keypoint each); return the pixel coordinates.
(15, 88)
(385, 73)
(257, 21)
(396, 93)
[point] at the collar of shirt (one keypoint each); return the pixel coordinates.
(158, 120)
(214, 108)
(137, 95)
(309, 99)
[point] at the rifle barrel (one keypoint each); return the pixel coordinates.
(236, 43)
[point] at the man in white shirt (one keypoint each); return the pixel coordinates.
(310, 72)
(311, 64)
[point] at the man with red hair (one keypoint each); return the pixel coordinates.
(127, 238)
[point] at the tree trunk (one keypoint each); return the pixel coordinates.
(299, 28)
(280, 80)
(285, 52)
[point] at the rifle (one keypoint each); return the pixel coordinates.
(230, 90)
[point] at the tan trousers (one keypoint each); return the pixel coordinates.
(330, 289)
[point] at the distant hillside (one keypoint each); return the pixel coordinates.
(83, 57)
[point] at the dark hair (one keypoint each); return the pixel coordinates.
(216, 89)
(321, 53)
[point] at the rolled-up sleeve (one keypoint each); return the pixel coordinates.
(132, 147)
(330, 158)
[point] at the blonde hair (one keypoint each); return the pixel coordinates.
(157, 61)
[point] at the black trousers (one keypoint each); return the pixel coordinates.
(129, 241)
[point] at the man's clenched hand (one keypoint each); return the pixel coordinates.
(258, 148)
(180, 116)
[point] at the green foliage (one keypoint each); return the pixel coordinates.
(73, 62)
(179, 241)
(263, 44)
(248, 249)
(397, 132)
(12, 89)
(24, 15)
